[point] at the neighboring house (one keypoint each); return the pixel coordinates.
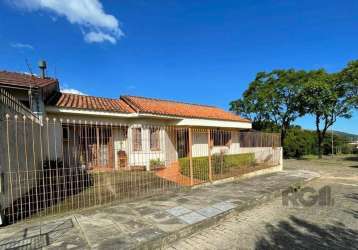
(31, 91)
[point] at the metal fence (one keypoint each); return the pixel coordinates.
(13, 105)
(61, 165)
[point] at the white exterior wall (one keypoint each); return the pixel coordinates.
(52, 140)
(261, 154)
(143, 156)
(168, 151)
(200, 144)
(166, 154)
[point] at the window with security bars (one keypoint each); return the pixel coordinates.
(221, 138)
(137, 139)
(154, 138)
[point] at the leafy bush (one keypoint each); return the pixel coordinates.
(200, 167)
(220, 163)
(298, 143)
(239, 160)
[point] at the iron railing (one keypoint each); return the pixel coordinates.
(62, 165)
(15, 106)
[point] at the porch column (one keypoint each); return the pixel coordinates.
(191, 157)
(209, 157)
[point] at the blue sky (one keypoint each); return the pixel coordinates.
(194, 51)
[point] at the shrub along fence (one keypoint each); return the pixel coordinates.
(224, 165)
(60, 165)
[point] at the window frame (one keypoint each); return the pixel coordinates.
(137, 139)
(218, 138)
(154, 132)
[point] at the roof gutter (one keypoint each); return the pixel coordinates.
(52, 109)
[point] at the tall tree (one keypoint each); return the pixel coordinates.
(349, 78)
(272, 97)
(326, 97)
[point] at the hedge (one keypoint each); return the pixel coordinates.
(220, 164)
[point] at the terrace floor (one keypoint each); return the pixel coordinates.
(172, 173)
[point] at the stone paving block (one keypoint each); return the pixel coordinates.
(224, 205)
(159, 217)
(145, 210)
(147, 234)
(208, 211)
(179, 210)
(192, 218)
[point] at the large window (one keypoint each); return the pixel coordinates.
(137, 139)
(221, 138)
(154, 139)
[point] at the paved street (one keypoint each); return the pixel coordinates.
(274, 226)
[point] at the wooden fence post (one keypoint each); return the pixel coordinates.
(209, 157)
(191, 157)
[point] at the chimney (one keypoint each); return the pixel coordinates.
(43, 66)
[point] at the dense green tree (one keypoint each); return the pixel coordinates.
(298, 143)
(349, 79)
(340, 145)
(272, 97)
(326, 97)
(265, 126)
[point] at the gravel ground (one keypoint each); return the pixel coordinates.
(276, 226)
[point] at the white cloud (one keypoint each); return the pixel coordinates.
(97, 37)
(28, 73)
(98, 26)
(72, 91)
(21, 46)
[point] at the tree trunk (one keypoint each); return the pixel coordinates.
(283, 136)
(319, 137)
(319, 144)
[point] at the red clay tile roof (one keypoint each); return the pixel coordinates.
(65, 100)
(173, 108)
(24, 80)
(131, 104)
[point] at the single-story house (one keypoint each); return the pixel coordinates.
(142, 129)
(50, 142)
(126, 132)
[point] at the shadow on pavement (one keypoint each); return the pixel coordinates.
(37, 237)
(354, 213)
(351, 158)
(352, 196)
(301, 234)
(354, 166)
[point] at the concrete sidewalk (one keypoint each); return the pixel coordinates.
(152, 222)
